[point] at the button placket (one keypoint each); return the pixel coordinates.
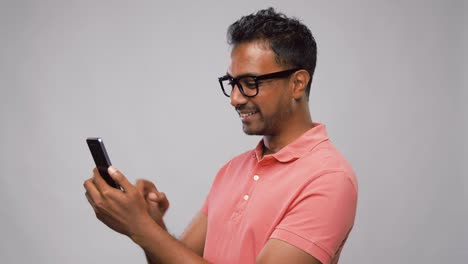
(252, 181)
(255, 178)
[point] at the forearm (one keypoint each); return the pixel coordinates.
(160, 247)
(149, 258)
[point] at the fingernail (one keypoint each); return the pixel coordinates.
(111, 170)
(152, 196)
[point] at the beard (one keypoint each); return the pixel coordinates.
(267, 126)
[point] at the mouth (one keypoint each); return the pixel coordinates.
(245, 116)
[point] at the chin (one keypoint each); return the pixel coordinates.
(252, 131)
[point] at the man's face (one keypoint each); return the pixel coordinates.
(269, 111)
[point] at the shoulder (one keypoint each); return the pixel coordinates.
(247, 156)
(326, 161)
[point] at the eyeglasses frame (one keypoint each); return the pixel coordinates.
(256, 78)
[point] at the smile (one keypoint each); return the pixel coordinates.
(242, 115)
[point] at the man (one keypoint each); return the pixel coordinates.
(292, 199)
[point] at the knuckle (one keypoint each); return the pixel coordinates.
(148, 184)
(139, 183)
(98, 215)
(142, 181)
(134, 193)
(99, 205)
(118, 176)
(106, 193)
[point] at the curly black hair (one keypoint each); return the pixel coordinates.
(290, 40)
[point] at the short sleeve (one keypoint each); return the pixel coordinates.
(204, 208)
(320, 218)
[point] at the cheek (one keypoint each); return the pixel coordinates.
(273, 101)
(272, 107)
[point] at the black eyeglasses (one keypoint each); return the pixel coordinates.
(248, 84)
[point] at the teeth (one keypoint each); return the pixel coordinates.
(247, 114)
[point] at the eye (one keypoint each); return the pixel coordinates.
(248, 82)
(250, 85)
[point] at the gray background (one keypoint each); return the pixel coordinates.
(390, 86)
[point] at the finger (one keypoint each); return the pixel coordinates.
(140, 186)
(161, 197)
(101, 185)
(153, 204)
(119, 178)
(157, 197)
(90, 201)
(145, 187)
(95, 174)
(153, 197)
(162, 201)
(154, 210)
(92, 193)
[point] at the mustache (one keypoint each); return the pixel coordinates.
(246, 108)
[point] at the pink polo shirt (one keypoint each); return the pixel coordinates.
(305, 195)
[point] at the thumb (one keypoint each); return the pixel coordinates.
(153, 207)
(152, 197)
(119, 178)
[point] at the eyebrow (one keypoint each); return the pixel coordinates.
(243, 75)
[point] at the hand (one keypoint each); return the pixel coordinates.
(124, 211)
(157, 201)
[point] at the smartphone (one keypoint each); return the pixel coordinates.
(99, 153)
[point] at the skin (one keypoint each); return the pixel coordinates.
(282, 115)
(282, 105)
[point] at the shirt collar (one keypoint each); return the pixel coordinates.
(299, 147)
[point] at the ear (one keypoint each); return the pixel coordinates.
(299, 80)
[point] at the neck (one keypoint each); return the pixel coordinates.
(274, 143)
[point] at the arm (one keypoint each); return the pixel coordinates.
(317, 223)
(278, 251)
(156, 201)
(195, 233)
(127, 212)
(161, 247)
(188, 249)
(275, 251)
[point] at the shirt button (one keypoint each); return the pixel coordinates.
(246, 197)
(256, 177)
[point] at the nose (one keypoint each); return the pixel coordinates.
(237, 98)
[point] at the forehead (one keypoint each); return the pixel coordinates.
(252, 58)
